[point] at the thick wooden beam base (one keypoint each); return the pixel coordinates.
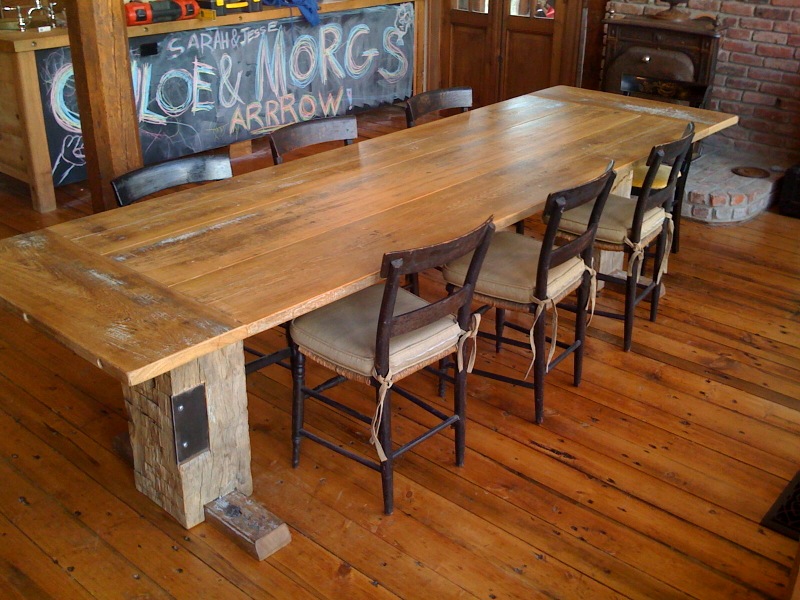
(256, 529)
(184, 489)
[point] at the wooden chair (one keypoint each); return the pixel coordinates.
(630, 226)
(141, 183)
(382, 334)
(136, 185)
(308, 133)
(436, 100)
(527, 275)
(670, 90)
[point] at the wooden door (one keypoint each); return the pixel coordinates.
(505, 48)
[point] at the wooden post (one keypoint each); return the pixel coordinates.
(98, 38)
(184, 489)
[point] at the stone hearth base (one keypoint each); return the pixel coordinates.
(716, 195)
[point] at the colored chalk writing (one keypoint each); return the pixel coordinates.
(204, 89)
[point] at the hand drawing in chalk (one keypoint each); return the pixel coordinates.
(71, 156)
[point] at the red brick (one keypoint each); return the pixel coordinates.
(748, 59)
(738, 8)
(774, 14)
(781, 91)
(732, 69)
(728, 94)
(697, 198)
(742, 83)
(741, 34)
(736, 108)
(789, 3)
(776, 116)
(760, 24)
(756, 98)
(738, 199)
(701, 212)
(728, 22)
(765, 74)
(737, 133)
(787, 27)
(769, 37)
(790, 79)
(718, 199)
(793, 40)
(786, 140)
(774, 51)
(705, 5)
(788, 104)
(740, 46)
(790, 66)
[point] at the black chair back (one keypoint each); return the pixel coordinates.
(307, 133)
(557, 204)
(138, 184)
(396, 266)
(436, 100)
(678, 155)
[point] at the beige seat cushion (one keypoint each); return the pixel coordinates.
(510, 267)
(661, 180)
(615, 222)
(343, 332)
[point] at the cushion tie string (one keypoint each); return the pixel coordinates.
(541, 305)
(592, 299)
(638, 253)
(469, 334)
(664, 261)
(386, 383)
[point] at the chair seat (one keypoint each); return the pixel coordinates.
(343, 333)
(662, 176)
(615, 222)
(509, 270)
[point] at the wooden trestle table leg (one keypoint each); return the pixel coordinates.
(210, 461)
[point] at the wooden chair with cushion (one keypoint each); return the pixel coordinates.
(382, 334)
(527, 275)
(136, 185)
(141, 183)
(436, 100)
(630, 225)
(308, 133)
(670, 90)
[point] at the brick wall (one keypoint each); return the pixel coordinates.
(758, 69)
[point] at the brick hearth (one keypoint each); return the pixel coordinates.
(714, 194)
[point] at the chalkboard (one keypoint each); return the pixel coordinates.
(203, 89)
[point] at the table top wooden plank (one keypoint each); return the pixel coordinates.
(235, 232)
(113, 317)
(231, 258)
(706, 122)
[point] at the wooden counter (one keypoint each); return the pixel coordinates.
(23, 133)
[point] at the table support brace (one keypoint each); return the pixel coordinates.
(184, 489)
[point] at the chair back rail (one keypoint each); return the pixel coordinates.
(397, 265)
(140, 183)
(557, 203)
(434, 100)
(308, 133)
(676, 154)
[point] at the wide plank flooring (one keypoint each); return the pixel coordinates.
(648, 481)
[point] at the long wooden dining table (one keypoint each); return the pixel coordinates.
(161, 294)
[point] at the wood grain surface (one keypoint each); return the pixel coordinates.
(254, 251)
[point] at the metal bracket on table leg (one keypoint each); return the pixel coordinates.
(190, 423)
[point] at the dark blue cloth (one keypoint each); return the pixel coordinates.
(308, 8)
